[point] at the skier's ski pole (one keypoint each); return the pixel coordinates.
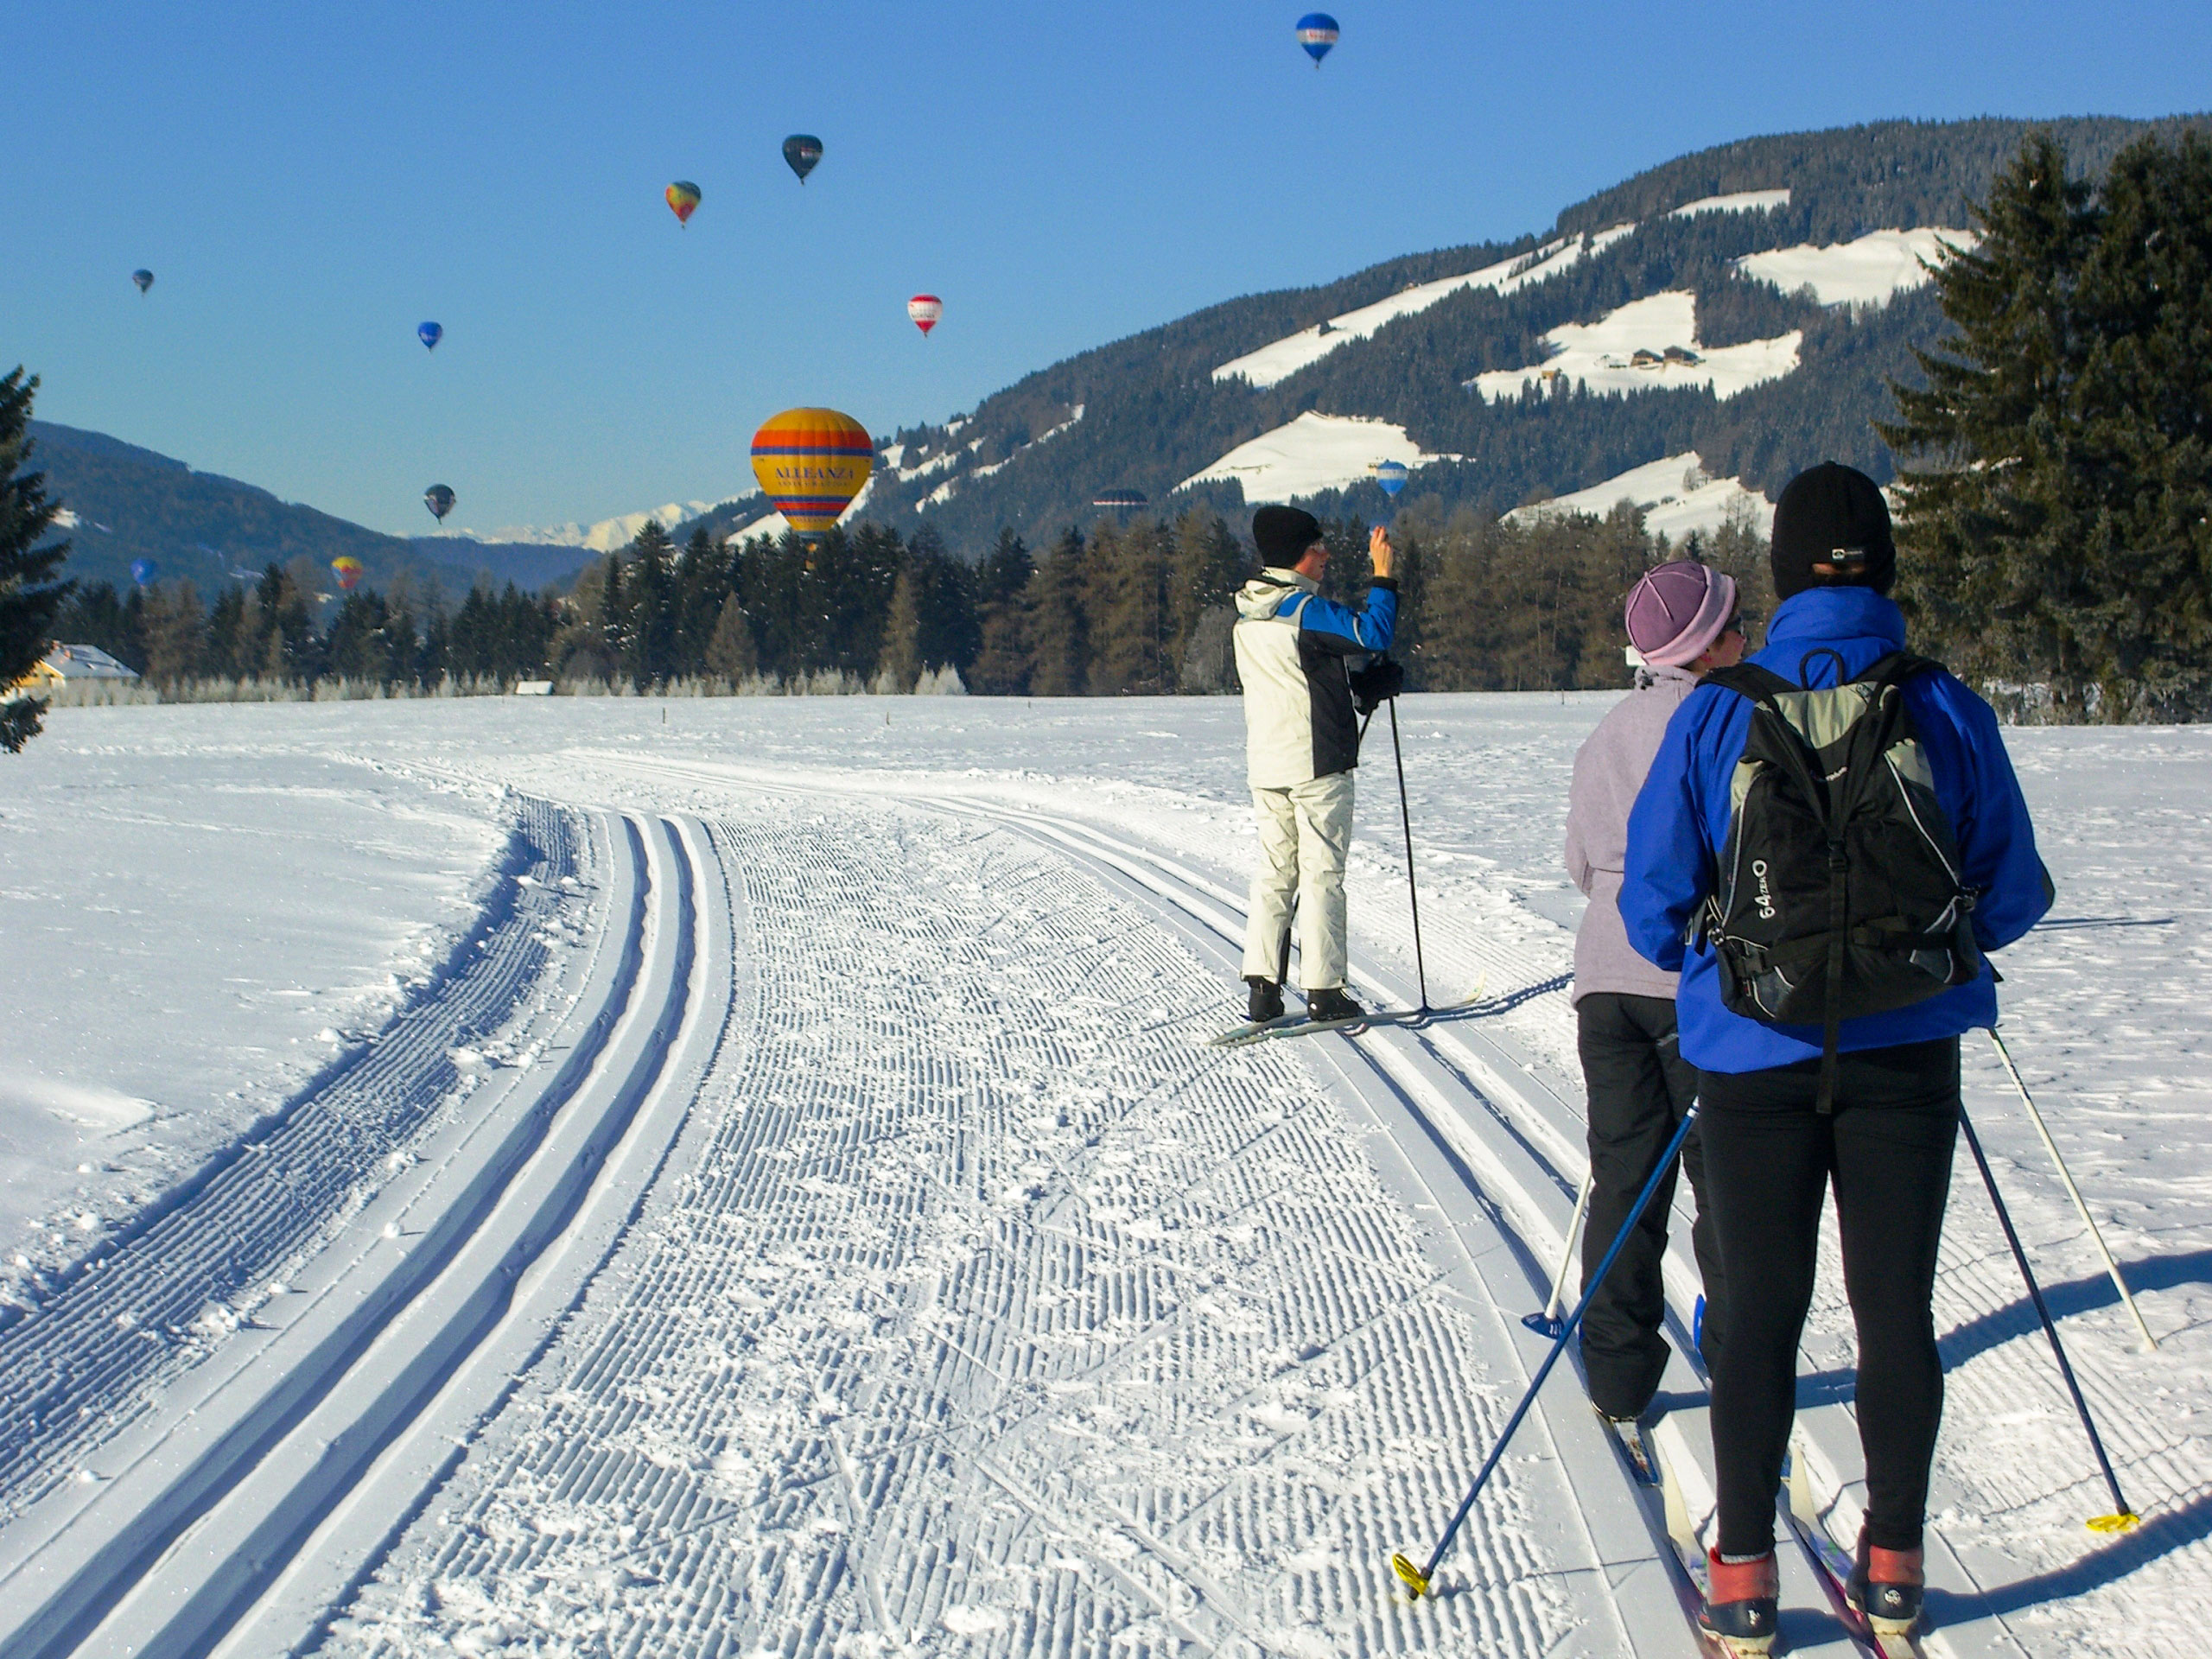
(1417, 1578)
(1405, 817)
(2122, 1517)
(2066, 1178)
(1547, 1324)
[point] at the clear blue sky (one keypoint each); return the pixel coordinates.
(310, 182)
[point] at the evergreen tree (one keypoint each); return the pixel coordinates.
(2058, 463)
(1001, 665)
(1130, 651)
(1207, 566)
(30, 595)
(175, 633)
(648, 650)
(1059, 644)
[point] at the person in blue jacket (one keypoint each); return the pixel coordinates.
(1770, 1154)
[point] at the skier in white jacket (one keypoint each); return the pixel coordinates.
(1295, 650)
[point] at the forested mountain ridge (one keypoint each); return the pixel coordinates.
(1148, 412)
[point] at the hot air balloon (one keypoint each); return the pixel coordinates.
(802, 151)
(813, 463)
(143, 278)
(349, 571)
(145, 572)
(1317, 32)
(682, 198)
(1391, 475)
(439, 500)
(925, 310)
(429, 333)
(1119, 500)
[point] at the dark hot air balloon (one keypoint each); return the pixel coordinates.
(429, 333)
(145, 572)
(143, 278)
(925, 310)
(682, 198)
(802, 151)
(1317, 32)
(439, 500)
(1120, 501)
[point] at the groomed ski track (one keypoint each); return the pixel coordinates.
(902, 1290)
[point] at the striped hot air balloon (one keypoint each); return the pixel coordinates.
(811, 462)
(925, 310)
(349, 570)
(1391, 475)
(1317, 32)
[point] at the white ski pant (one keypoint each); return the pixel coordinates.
(1305, 832)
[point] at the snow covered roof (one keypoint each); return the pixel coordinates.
(1677, 495)
(1603, 354)
(1873, 271)
(1313, 454)
(85, 662)
(1286, 356)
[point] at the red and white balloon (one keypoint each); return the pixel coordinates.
(925, 310)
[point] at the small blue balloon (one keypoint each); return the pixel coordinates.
(1317, 32)
(145, 572)
(429, 333)
(1391, 475)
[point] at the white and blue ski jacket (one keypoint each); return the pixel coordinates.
(1292, 652)
(1681, 821)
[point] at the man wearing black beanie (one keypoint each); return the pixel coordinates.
(1301, 742)
(1865, 1099)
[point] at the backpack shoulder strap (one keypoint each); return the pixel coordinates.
(1896, 668)
(1748, 681)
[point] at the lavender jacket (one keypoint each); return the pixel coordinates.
(1609, 770)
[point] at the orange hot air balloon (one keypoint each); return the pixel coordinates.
(682, 198)
(812, 462)
(349, 571)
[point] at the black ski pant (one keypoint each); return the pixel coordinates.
(1771, 1157)
(1640, 1089)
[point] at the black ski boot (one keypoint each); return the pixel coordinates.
(1741, 1604)
(1887, 1587)
(1267, 999)
(1323, 1006)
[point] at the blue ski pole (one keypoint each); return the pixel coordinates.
(1417, 1578)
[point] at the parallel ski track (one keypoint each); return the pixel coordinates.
(91, 1359)
(715, 1465)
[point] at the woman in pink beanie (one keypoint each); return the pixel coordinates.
(1681, 619)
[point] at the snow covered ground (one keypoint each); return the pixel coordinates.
(1676, 493)
(1741, 201)
(1872, 270)
(1312, 454)
(904, 1277)
(1604, 354)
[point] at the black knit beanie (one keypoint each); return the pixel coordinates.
(1833, 514)
(1283, 534)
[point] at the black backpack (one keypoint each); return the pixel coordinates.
(1839, 891)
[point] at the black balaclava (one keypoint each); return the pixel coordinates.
(1833, 514)
(1283, 535)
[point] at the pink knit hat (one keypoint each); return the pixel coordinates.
(1676, 611)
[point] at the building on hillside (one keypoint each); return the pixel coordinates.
(72, 665)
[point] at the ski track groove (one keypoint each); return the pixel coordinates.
(95, 1356)
(1138, 1357)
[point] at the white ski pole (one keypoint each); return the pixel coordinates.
(1547, 1322)
(2149, 1341)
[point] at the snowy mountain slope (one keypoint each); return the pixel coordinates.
(1313, 454)
(1402, 342)
(1649, 344)
(1677, 497)
(1285, 358)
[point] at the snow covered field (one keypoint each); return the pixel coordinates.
(736, 1177)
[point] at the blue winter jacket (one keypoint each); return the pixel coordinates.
(1680, 823)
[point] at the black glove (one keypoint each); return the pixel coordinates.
(1376, 684)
